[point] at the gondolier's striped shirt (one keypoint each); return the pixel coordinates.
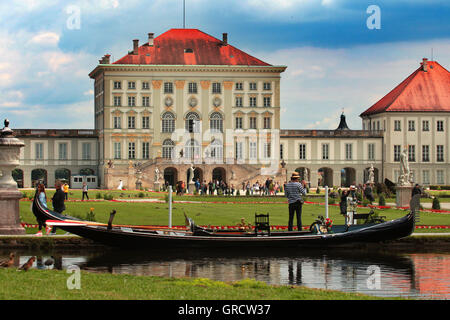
(294, 191)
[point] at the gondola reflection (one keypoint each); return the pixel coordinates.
(421, 275)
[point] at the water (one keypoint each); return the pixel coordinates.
(414, 275)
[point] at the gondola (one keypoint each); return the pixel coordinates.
(197, 237)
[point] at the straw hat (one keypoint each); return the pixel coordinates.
(295, 175)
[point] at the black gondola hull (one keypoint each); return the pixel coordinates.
(140, 238)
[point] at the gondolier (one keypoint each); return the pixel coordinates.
(294, 191)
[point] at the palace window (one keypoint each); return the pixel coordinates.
(238, 123)
(117, 85)
(117, 150)
(131, 85)
(192, 149)
(411, 125)
(168, 122)
(267, 150)
(131, 122)
(425, 176)
(302, 151)
(86, 151)
(440, 125)
(192, 87)
(371, 151)
(239, 86)
(145, 85)
(267, 101)
(252, 123)
(131, 150)
(440, 177)
(192, 122)
(425, 153)
(216, 122)
(397, 151)
(412, 153)
(325, 151)
(267, 122)
(253, 150)
(117, 122)
(440, 153)
(216, 87)
(267, 86)
(167, 149)
(253, 86)
(146, 101)
(425, 125)
(238, 101)
(238, 150)
(397, 125)
(145, 150)
(348, 151)
(117, 101)
(146, 122)
(252, 101)
(131, 101)
(217, 149)
(168, 87)
(62, 148)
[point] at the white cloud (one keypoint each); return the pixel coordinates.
(45, 38)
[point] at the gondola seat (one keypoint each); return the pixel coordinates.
(262, 223)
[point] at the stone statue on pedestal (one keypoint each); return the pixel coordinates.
(405, 174)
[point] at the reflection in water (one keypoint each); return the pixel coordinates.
(424, 275)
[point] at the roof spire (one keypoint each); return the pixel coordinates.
(343, 123)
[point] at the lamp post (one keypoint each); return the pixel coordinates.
(9, 193)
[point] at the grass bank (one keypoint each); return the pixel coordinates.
(52, 285)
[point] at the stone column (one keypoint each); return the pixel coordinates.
(9, 193)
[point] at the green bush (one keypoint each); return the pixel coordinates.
(436, 204)
(381, 200)
(98, 195)
(141, 195)
(108, 196)
(318, 190)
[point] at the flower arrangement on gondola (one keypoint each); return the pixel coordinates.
(328, 224)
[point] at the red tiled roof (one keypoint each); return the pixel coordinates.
(170, 49)
(422, 91)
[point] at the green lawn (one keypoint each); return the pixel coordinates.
(52, 285)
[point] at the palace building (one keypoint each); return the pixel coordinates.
(187, 102)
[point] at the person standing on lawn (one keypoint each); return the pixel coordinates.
(294, 190)
(58, 201)
(85, 191)
(66, 191)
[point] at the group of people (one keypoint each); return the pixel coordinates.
(268, 188)
(57, 203)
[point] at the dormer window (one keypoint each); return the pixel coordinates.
(188, 50)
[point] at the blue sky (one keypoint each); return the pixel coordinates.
(335, 62)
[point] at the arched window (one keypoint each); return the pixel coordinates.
(167, 149)
(192, 149)
(192, 123)
(168, 122)
(216, 149)
(216, 122)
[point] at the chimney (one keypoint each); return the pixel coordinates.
(105, 59)
(135, 46)
(425, 64)
(225, 39)
(150, 38)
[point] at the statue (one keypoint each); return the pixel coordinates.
(191, 174)
(371, 175)
(405, 174)
(120, 187)
(157, 175)
(110, 164)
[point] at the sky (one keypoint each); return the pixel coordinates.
(341, 55)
